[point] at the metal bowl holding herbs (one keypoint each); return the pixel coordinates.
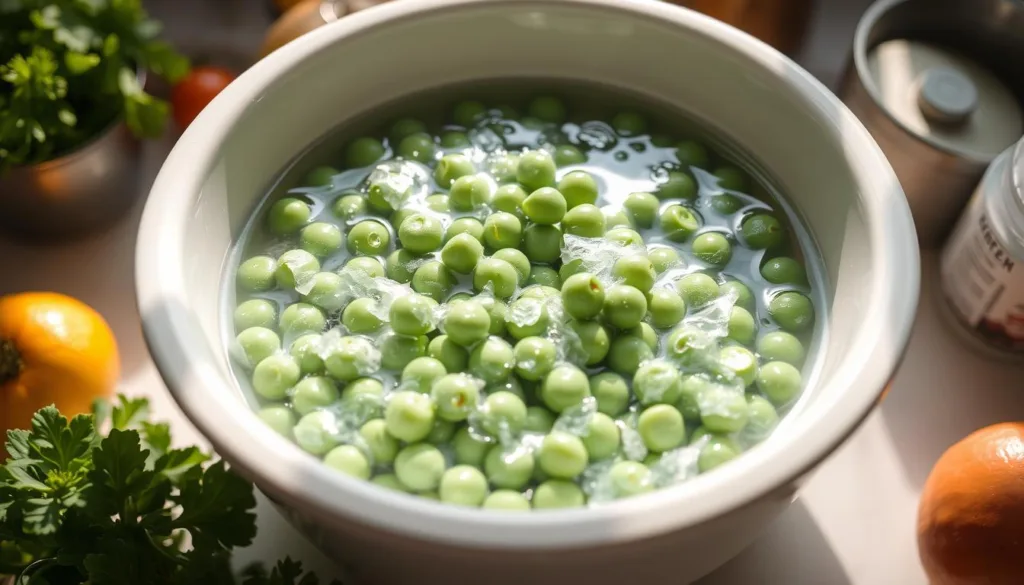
(72, 106)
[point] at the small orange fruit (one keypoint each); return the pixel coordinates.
(53, 350)
(970, 523)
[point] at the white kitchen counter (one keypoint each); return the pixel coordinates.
(854, 521)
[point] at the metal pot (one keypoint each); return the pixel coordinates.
(944, 125)
(78, 193)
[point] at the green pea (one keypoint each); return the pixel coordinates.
(564, 387)
(441, 433)
(642, 208)
(321, 239)
(645, 332)
(744, 298)
(713, 248)
(762, 231)
(349, 358)
(469, 192)
(255, 313)
(463, 485)
(507, 501)
(468, 113)
(624, 236)
(584, 220)
(452, 167)
(462, 253)
(390, 481)
(295, 267)
(602, 437)
(509, 198)
(456, 396)
(568, 154)
(326, 292)
(467, 325)
(723, 410)
(258, 343)
(717, 451)
(549, 109)
(661, 427)
(518, 260)
(678, 186)
(398, 350)
(781, 346)
(664, 258)
(382, 446)
(534, 358)
(503, 414)
(627, 353)
(288, 215)
(257, 274)
(678, 223)
(726, 204)
(636, 271)
(438, 202)
(780, 382)
(624, 306)
(368, 238)
(465, 225)
(421, 234)
(433, 279)
(562, 455)
(412, 315)
(690, 153)
(583, 296)
(531, 317)
(792, 311)
(502, 230)
(740, 361)
(578, 187)
(542, 243)
(594, 341)
(421, 373)
(539, 420)
(742, 327)
(469, 450)
(306, 350)
(784, 270)
(657, 382)
(630, 478)
(616, 217)
(315, 432)
(536, 170)
(454, 357)
(503, 168)
(405, 127)
(496, 274)
(349, 206)
(301, 318)
(558, 494)
(697, 289)
(321, 176)
(691, 389)
(399, 266)
(420, 467)
(279, 418)
(314, 393)
(418, 147)
(666, 308)
(455, 140)
(611, 392)
(363, 152)
(364, 397)
(762, 418)
(510, 469)
(731, 178)
(629, 124)
(492, 360)
(275, 375)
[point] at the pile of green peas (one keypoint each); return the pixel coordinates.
(480, 314)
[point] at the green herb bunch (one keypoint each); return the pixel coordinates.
(69, 69)
(78, 507)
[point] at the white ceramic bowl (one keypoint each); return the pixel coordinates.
(831, 170)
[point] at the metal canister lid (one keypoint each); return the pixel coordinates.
(951, 101)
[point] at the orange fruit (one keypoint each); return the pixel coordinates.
(53, 350)
(970, 522)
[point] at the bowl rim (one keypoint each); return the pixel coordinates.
(171, 329)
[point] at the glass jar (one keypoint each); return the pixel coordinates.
(982, 263)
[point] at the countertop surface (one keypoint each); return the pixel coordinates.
(853, 522)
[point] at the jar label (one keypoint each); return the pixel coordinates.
(982, 281)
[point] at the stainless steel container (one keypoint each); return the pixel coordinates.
(78, 193)
(952, 106)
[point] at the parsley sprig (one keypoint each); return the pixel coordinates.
(68, 70)
(123, 508)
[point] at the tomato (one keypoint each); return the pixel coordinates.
(196, 90)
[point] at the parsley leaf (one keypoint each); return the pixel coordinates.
(216, 510)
